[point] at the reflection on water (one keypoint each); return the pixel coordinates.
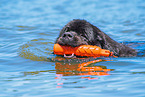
(70, 69)
(86, 70)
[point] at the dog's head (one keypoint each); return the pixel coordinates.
(76, 33)
(80, 32)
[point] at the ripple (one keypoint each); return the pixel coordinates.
(36, 49)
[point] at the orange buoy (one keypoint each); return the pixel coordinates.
(83, 50)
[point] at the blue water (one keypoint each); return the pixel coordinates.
(28, 29)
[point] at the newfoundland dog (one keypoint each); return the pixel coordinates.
(80, 32)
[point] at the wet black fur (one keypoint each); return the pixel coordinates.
(85, 33)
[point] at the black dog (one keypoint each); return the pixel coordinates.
(80, 32)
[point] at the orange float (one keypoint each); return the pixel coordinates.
(83, 50)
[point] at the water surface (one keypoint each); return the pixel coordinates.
(28, 29)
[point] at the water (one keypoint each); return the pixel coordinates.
(28, 29)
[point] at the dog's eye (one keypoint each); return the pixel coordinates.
(82, 35)
(67, 29)
(85, 39)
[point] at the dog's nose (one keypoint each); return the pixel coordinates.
(68, 35)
